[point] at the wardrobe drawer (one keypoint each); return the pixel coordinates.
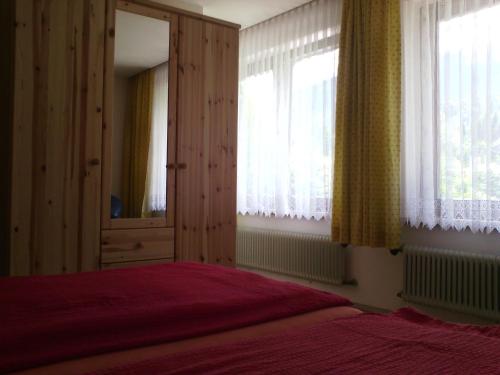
(128, 245)
(138, 263)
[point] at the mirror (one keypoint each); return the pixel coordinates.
(140, 117)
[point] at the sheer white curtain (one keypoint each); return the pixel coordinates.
(451, 106)
(288, 69)
(155, 199)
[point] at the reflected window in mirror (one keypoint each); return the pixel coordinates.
(140, 117)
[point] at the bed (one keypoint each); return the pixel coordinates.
(402, 343)
(88, 321)
(189, 318)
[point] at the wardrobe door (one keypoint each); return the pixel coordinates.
(139, 136)
(207, 124)
(7, 40)
(190, 221)
(56, 137)
(220, 128)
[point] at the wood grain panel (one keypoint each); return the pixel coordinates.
(132, 7)
(214, 117)
(137, 244)
(107, 127)
(190, 195)
(7, 39)
(131, 223)
(22, 150)
(206, 195)
(91, 160)
(221, 80)
(172, 118)
(50, 138)
(231, 61)
(57, 136)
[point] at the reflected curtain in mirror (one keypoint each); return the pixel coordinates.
(136, 143)
(155, 197)
(145, 146)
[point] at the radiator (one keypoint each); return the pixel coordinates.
(312, 257)
(454, 280)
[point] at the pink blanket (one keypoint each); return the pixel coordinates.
(48, 319)
(402, 343)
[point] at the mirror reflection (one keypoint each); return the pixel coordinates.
(140, 117)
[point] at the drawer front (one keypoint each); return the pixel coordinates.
(139, 263)
(128, 245)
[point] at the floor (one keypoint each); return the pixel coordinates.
(343, 290)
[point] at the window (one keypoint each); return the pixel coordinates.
(314, 80)
(451, 137)
(469, 106)
(288, 69)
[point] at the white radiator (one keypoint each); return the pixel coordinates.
(307, 256)
(459, 281)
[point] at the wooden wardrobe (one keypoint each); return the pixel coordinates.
(56, 142)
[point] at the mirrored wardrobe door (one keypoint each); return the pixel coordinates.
(139, 136)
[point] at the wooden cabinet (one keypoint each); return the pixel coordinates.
(56, 148)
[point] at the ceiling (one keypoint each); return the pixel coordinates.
(135, 48)
(243, 12)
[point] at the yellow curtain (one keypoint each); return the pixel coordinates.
(367, 138)
(136, 143)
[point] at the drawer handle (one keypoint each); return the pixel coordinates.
(139, 245)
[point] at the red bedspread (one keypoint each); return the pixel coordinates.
(405, 342)
(47, 319)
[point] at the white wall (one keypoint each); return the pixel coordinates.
(191, 6)
(285, 224)
(379, 274)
